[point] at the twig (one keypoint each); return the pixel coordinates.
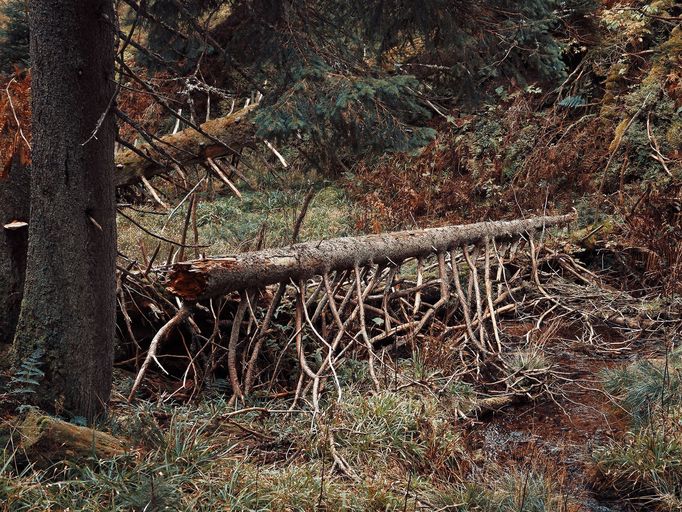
(188, 216)
(304, 209)
(14, 113)
(153, 192)
(489, 294)
(657, 155)
(218, 172)
(232, 348)
(168, 240)
(464, 304)
(363, 330)
(474, 277)
(277, 154)
(189, 194)
(160, 336)
(420, 277)
(260, 338)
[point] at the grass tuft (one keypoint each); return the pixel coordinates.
(646, 465)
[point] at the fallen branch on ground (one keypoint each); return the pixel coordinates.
(46, 440)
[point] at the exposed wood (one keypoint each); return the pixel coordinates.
(187, 146)
(46, 440)
(14, 225)
(205, 278)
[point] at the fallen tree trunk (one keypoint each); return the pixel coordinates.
(187, 147)
(46, 440)
(202, 279)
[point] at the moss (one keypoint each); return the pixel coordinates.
(674, 136)
(613, 86)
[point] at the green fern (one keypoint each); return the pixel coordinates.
(573, 102)
(28, 376)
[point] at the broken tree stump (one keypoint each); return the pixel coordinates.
(46, 440)
(14, 214)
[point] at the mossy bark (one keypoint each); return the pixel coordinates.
(69, 305)
(188, 146)
(46, 440)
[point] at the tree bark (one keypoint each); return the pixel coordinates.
(14, 201)
(202, 279)
(187, 146)
(69, 305)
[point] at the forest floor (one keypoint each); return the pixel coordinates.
(435, 443)
(591, 418)
(408, 449)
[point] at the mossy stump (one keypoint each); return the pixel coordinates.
(46, 440)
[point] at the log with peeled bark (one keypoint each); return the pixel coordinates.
(46, 440)
(187, 147)
(206, 278)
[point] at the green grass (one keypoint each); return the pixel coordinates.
(405, 447)
(646, 388)
(398, 431)
(227, 224)
(645, 466)
(516, 491)
(329, 215)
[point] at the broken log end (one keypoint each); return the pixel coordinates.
(186, 281)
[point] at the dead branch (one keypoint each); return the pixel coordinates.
(161, 336)
(188, 146)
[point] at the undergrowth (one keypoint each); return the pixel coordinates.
(406, 449)
(607, 141)
(226, 224)
(645, 466)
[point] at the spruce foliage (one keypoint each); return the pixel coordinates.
(170, 32)
(14, 35)
(351, 77)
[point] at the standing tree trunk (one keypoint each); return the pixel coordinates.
(68, 308)
(14, 197)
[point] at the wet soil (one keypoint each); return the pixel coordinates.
(558, 435)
